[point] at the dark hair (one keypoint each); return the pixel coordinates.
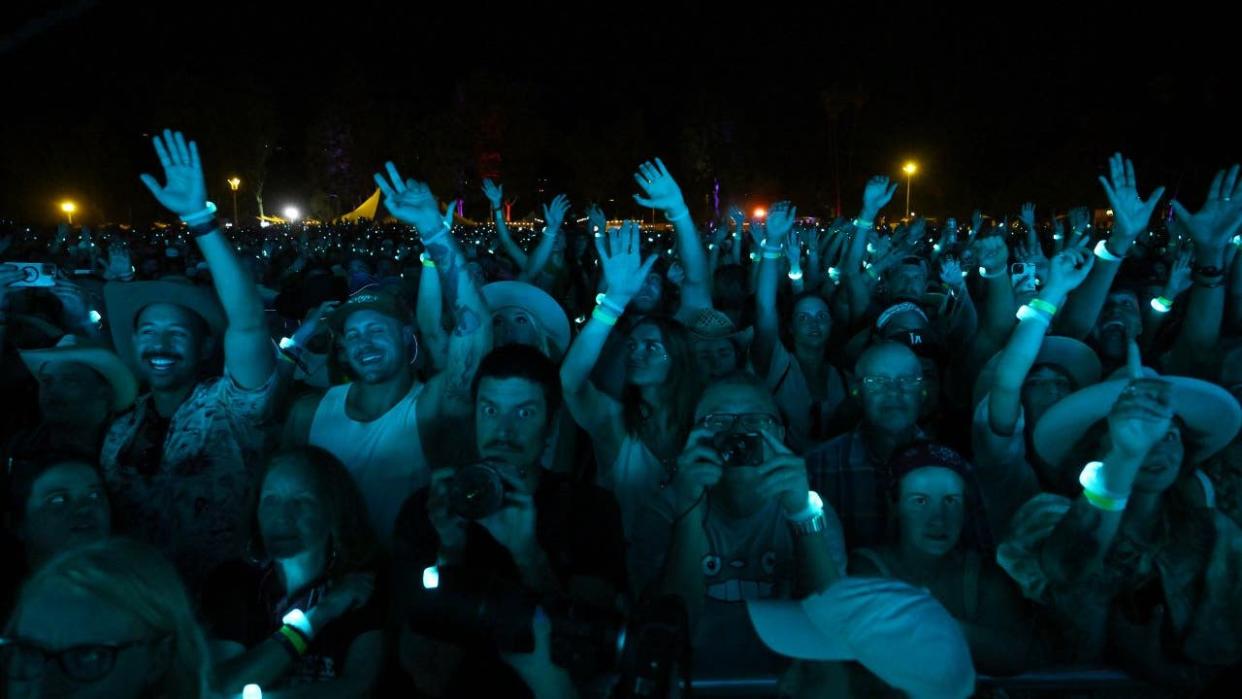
(680, 391)
(515, 361)
(24, 472)
(354, 543)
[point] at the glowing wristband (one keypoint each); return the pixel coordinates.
(859, 223)
(610, 305)
(296, 619)
(983, 272)
(601, 314)
(1042, 305)
(1161, 305)
(252, 691)
(754, 257)
(1102, 252)
(795, 274)
(200, 217)
(834, 274)
(1094, 491)
(438, 234)
(814, 507)
(1028, 313)
(293, 639)
(431, 578)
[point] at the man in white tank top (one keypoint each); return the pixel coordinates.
(383, 424)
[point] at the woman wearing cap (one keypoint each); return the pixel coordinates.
(807, 388)
(109, 619)
(632, 437)
(1133, 571)
(938, 542)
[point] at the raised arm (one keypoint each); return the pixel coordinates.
(624, 273)
(248, 356)
(410, 201)
(1131, 216)
(1211, 229)
(857, 282)
(1155, 312)
(554, 218)
(767, 324)
(495, 196)
(430, 312)
(1067, 270)
(662, 192)
(1139, 419)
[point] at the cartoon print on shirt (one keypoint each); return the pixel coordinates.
(740, 580)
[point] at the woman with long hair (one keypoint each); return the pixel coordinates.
(108, 619)
(304, 609)
(636, 436)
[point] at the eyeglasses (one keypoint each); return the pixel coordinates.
(26, 661)
(724, 422)
(892, 383)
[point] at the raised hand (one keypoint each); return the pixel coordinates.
(1058, 234)
(1140, 418)
(412, 202)
(554, 214)
(739, 219)
(976, 223)
(624, 269)
(951, 273)
(73, 302)
(495, 193)
(185, 190)
(660, 188)
(1220, 217)
(1068, 269)
(876, 195)
(1179, 275)
(1027, 216)
(1130, 213)
(118, 265)
(597, 223)
(992, 253)
(780, 221)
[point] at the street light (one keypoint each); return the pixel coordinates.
(69, 207)
(760, 212)
(292, 213)
(910, 168)
(234, 183)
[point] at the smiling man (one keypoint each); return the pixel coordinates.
(382, 423)
(178, 464)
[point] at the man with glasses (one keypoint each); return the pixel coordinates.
(736, 522)
(849, 470)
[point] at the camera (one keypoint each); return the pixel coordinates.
(738, 448)
(477, 490)
(35, 274)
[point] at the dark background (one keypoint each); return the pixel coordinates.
(1025, 102)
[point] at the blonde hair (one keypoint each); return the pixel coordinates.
(134, 577)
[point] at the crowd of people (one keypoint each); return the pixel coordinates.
(429, 458)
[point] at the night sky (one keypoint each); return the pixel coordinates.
(570, 97)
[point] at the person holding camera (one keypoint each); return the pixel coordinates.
(738, 522)
(503, 529)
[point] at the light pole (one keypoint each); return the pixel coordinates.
(910, 168)
(69, 207)
(234, 183)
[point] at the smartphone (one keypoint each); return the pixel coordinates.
(35, 273)
(1022, 276)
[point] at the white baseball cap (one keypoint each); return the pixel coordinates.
(898, 632)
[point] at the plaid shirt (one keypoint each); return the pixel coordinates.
(846, 475)
(181, 484)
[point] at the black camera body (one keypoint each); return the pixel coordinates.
(477, 490)
(738, 448)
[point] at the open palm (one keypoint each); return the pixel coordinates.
(185, 189)
(661, 189)
(1130, 213)
(1221, 215)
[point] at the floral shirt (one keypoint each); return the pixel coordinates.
(181, 484)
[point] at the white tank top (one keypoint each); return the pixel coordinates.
(635, 477)
(385, 456)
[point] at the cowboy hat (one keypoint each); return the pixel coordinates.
(1065, 353)
(125, 300)
(104, 361)
(535, 301)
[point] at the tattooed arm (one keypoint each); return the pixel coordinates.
(447, 393)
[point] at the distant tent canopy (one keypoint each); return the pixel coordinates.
(366, 211)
